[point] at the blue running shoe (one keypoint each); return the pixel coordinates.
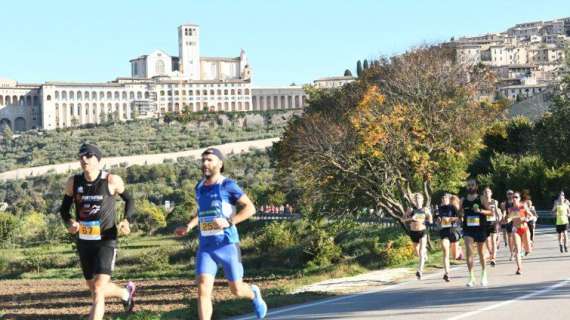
(259, 305)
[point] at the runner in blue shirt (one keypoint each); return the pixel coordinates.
(217, 197)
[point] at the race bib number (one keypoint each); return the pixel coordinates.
(472, 221)
(491, 218)
(446, 222)
(208, 226)
(90, 230)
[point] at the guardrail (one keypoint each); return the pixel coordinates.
(275, 216)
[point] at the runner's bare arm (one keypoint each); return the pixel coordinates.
(247, 210)
(117, 187)
(183, 230)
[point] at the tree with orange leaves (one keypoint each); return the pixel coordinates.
(411, 122)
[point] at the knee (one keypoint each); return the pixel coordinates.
(204, 290)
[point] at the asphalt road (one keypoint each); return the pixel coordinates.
(541, 293)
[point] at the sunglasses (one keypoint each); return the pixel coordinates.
(87, 155)
(516, 197)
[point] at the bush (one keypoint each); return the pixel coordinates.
(155, 259)
(37, 259)
(4, 264)
(34, 227)
(8, 228)
(275, 237)
(319, 247)
(149, 217)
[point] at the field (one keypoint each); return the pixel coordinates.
(45, 282)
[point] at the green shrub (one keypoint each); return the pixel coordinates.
(37, 259)
(8, 228)
(4, 264)
(34, 227)
(149, 217)
(155, 259)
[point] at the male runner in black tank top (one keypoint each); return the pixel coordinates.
(92, 192)
(474, 230)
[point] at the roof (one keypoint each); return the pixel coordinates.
(336, 78)
(521, 86)
(227, 59)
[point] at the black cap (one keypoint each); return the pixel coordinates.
(87, 148)
(217, 153)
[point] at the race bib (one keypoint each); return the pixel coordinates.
(513, 215)
(208, 226)
(419, 217)
(446, 222)
(90, 230)
(472, 221)
(491, 218)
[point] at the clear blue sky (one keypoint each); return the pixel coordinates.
(286, 41)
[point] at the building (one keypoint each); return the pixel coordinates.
(333, 82)
(525, 57)
(159, 83)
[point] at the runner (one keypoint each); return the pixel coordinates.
(92, 192)
(474, 230)
(507, 226)
(456, 250)
(527, 200)
(492, 223)
(216, 220)
(447, 218)
(562, 210)
(518, 214)
(418, 216)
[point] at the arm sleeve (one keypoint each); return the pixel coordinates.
(65, 209)
(129, 205)
(234, 191)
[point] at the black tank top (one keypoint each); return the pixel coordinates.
(469, 214)
(93, 202)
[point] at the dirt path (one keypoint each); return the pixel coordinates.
(69, 299)
(234, 147)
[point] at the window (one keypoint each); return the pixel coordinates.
(56, 95)
(132, 95)
(205, 92)
(8, 99)
(159, 67)
(109, 95)
(117, 95)
(139, 95)
(71, 95)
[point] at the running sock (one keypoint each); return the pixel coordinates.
(471, 278)
(484, 278)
